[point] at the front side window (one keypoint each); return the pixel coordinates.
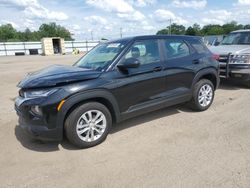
(176, 48)
(101, 56)
(145, 51)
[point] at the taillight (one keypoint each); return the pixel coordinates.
(215, 57)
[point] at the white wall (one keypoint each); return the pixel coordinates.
(10, 48)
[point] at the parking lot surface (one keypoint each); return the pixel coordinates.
(172, 147)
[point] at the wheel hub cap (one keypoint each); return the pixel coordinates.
(205, 95)
(91, 125)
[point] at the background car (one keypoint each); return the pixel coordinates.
(234, 56)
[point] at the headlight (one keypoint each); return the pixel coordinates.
(240, 59)
(36, 110)
(39, 93)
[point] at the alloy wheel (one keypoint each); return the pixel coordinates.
(205, 95)
(91, 125)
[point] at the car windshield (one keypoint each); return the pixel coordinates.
(101, 56)
(237, 38)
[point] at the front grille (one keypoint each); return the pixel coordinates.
(224, 66)
(223, 58)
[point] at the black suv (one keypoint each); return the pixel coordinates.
(116, 80)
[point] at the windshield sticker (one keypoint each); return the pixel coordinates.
(113, 45)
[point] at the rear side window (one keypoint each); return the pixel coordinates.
(198, 46)
(176, 48)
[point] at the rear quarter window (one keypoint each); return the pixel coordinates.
(176, 48)
(199, 47)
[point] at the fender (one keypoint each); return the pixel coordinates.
(86, 95)
(204, 72)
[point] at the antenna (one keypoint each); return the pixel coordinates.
(170, 25)
(92, 38)
(121, 32)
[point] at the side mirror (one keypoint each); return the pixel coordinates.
(216, 43)
(129, 63)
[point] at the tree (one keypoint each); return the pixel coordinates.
(53, 30)
(175, 30)
(194, 30)
(7, 32)
(163, 32)
(190, 31)
(197, 29)
(212, 30)
(232, 26)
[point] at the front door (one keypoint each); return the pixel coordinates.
(140, 87)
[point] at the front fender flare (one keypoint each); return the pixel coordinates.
(83, 96)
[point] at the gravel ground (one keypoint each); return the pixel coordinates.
(173, 147)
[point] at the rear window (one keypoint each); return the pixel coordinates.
(198, 46)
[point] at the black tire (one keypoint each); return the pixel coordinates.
(71, 124)
(247, 85)
(194, 103)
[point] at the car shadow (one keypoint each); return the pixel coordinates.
(34, 144)
(146, 118)
(44, 146)
(40, 146)
(231, 85)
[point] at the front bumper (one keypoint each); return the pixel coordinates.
(43, 127)
(236, 72)
(40, 132)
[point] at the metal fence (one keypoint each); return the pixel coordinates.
(12, 48)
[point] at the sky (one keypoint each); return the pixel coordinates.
(109, 18)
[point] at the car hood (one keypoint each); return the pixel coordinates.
(226, 49)
(57, 75)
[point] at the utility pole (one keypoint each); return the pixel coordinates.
(92, 38)
(170, 25)
(121, 32)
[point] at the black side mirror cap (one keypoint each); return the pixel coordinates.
(129, 63)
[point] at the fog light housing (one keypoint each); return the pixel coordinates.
(36, 110)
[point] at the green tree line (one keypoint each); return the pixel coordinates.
(197, 30)
(9, 34)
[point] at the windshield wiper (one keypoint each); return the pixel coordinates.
(83, 67)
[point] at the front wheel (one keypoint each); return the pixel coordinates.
(203, 95)
(247, 84)
(88, 125)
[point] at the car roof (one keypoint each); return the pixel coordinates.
(145, 37)
(241, 30)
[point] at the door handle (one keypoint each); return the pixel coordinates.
(196, 61)
(156, 69)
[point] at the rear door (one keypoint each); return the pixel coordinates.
(179, 66)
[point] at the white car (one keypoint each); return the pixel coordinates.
(234, 56)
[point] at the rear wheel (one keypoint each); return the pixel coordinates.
(88, 125)
(203, 95)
